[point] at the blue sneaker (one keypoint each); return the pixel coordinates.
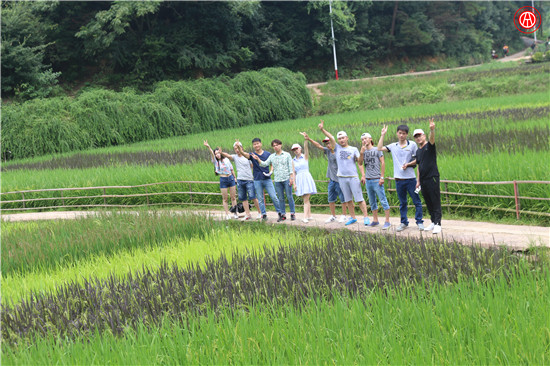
(374, 223)
(386, 226)
(351, 221)
(366, 221)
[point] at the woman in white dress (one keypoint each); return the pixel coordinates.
(304, 184)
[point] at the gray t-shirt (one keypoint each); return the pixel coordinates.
(371, 159)
(244, 171)
(332, 168)
(400, 156)
(346, 158)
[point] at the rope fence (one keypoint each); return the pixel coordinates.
(23, 203)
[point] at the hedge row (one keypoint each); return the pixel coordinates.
(100, 118)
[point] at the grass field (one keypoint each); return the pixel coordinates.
(250, 296)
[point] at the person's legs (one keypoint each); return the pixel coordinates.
(243, 196)
(332, 196)
(431, 192)
(371, 193)
(259, 188)
(270, 189)
(290, 197)
(307, 206)
(280, 189)
(224, 200)
(233, 194)
(401, 188)
(383, 200)
(411, 186)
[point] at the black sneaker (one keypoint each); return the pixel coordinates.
(292, 217)
(264, 217)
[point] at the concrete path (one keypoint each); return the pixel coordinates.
(515, 237)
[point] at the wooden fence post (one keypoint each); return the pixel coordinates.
(516, 196)
(62, 199)
(104, 198)
(190, 194)
(23, 194)
(147, 195)
(447, 197)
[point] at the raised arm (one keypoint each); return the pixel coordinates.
(306, 147)
(315, 143)
(381, 146)
(432, 132)
(243, 153)
(205, 143)
(224, 154)
(327, 134)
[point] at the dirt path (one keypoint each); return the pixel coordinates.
(516, 237)
(515, 57)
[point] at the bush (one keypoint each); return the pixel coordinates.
(100, 118)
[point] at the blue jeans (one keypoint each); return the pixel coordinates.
(334, 192)
(408, 186)
(266, 184)
(282, 188)
(246, 190)
(374, 189)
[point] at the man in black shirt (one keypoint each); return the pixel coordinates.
(428, 175)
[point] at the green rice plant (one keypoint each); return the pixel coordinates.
(494, 322)
(347, 263)
(224, 238)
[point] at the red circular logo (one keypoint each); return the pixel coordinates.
(527, 19)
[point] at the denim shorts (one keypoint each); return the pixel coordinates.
(227, 182)
(334, 192)
(246, 190)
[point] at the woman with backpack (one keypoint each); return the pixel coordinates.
(223, 168)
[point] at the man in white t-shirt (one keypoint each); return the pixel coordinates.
(346, 159)
(245, 181)
(403, 152)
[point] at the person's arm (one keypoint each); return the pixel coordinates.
(380, 145)
(417, 177)
(205, 143)
(243, 153)
(409, 164)
(233, 171)
(327, 134)
(263, 163)
(226, 155)
(316, 144)
(432, 132)
(291, 170)
(306, 149)
(382, 170)
(363, 149)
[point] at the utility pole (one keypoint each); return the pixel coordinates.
(333, 44)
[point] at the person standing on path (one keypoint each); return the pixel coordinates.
(373, 179)
(224, 169)
(346, 158)
(403, 152)
(305, 185)
(283, 175)
(334, 191)
(245, 181)
(262, 178)
(428, 175)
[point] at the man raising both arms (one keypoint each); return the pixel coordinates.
(346, 159)
(403, 152)
(428, 175)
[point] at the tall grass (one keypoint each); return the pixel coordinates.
(494, 322)
(102, 118)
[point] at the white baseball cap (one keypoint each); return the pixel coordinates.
(326, 139)
(295, 146)
(237, 143)
(418, 131)
(366, 134)
(341, 134)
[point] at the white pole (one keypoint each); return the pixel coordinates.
(333, 45)
(535, 32)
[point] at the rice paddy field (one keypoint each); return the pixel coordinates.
(501, 134)
(160, 287)
(164, 288)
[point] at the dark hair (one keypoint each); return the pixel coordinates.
(217, 160)
(276, 141)
(256, 139)
(403, 128)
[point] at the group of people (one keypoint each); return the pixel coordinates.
(255, 169)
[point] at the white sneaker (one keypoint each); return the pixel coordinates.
(330, 219)
(342, 218)
(236, 217)
(437, 229)
(430, 228)
(259, 217)
(305, 220)
(247, 218)
(228, 217)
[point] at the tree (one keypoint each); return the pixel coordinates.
(24, 29)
